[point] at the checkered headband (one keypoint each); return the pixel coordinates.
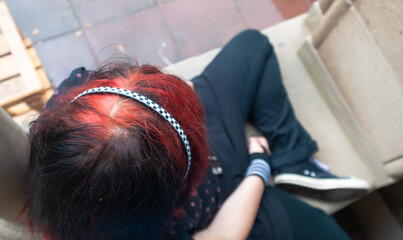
(149, 103)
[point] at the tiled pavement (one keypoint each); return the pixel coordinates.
(73, 33)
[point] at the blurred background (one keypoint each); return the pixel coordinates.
(70, 33)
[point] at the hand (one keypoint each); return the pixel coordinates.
(256, 145)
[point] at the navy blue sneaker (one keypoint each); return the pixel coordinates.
(312, 179)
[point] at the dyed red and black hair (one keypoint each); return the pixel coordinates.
(108, 167)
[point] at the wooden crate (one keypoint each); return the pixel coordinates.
(24, 86)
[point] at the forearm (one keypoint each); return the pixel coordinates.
(236, 217)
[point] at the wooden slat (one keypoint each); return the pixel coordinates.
(34, 102)
(28, 42)
(18, 109)
(43, 78)
(8, 68)
(4, 48)
(33, 57)
(11, 82)
(10, 87)
(27, 72)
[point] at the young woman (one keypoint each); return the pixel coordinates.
(129, 152)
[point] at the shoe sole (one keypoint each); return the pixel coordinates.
(323, 189)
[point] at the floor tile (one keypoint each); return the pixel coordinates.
(144, 32)
(200, 25)
(259, 14)
(292, 8)
(161, 1)
(94, 11)
(59, 56)
(39, 20)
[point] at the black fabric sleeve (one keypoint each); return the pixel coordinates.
(264, 155)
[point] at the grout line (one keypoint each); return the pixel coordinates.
(120, 16)
(40, 41)
(170, 32)
(82, 29)
(81, 26)
(113, 18)
(238, 8)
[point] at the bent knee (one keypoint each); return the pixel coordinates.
(253, 38)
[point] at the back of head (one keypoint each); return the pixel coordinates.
(108, 167)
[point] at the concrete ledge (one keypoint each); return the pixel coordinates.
(191, 67)
(339, 107)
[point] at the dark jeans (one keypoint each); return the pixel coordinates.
(251, 63)
(243, 83)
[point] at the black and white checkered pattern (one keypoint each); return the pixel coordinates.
(149, 103)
